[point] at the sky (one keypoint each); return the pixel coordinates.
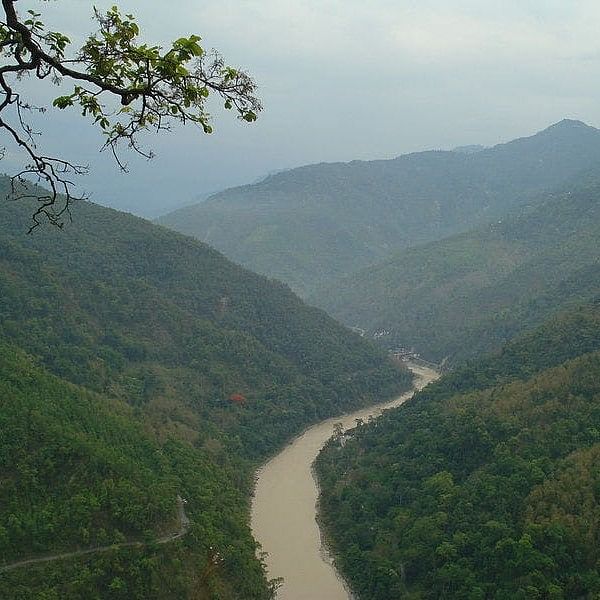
(340, 80)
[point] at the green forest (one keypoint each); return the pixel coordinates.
(485, 485)
(176, 381)
(137, 365)
(78, 471)
(468, 294)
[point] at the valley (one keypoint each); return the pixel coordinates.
(284, 507)
(139, 366)
(299, 300)
(482, 287)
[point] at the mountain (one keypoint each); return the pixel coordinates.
(312, 224)
(469, 293)
(469, 149)
(485, 484)
(79, 471)
(137, 365)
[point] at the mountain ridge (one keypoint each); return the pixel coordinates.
(313, 223)
(190, 369)
(471, 292)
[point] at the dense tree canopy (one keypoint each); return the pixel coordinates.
(123, 84)
(485, 485)
(146, 365)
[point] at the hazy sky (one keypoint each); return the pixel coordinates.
(343, 80)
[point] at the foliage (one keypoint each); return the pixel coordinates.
(79, 471)
(483, 486)
(483, 287)
(312, 225)
(153, 86)
(125, 307)
(148, 335)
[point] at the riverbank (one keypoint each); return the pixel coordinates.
(283, 516)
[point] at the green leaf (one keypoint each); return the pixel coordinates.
(63, 102)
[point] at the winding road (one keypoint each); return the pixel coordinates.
(284, 508)
(184, 526)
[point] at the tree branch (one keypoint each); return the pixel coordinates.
(153, 88)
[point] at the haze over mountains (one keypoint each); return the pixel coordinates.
(167, 388)
(316, 223)
(138, 365)
(486, 484)
(467, 294)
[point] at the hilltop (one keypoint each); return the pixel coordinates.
(309, 225)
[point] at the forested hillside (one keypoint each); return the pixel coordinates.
(485, 485)
(314, 223)
(137, 365)
(78, 471)
(468, 294)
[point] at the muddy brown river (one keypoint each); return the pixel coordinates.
(284, 509)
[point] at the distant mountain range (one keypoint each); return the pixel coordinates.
(484, 485)
(312, 224)
(469, 293)
(138, 365)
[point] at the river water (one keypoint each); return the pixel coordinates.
(284, 509)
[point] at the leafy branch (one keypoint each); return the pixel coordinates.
(124, 86)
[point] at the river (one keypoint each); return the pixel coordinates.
(284, 509)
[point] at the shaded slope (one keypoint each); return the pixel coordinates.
(125, 307)
(309, 224)
(484, 486)
(469, 293)
(78, 471)
(204, 366)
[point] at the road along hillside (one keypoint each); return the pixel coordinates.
(183, 528)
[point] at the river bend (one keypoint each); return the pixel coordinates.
(284, 509)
